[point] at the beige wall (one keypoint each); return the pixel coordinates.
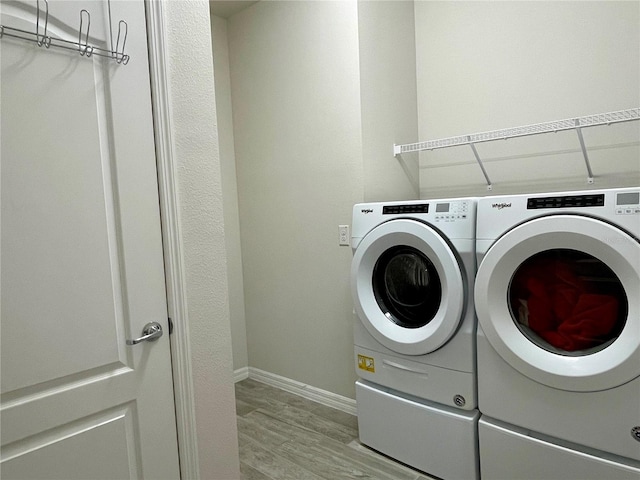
(388, 95)
(195, 144)
(296, 115)
(493, 65)
(385, 95)
(322, 90)
(229, 192)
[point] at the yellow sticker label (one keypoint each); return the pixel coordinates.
(366, 363)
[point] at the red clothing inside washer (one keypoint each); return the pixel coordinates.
(561, 307)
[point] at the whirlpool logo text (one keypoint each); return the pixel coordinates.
(500, 206)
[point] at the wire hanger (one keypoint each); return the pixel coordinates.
(84, 49)
(41, 37)
(42, 40)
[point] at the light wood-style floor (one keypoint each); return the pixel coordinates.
(286, 437)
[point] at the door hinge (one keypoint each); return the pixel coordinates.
(170, 326)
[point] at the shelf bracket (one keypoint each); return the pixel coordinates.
(584, 152)
(479, 160)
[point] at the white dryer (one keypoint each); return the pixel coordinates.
(414, 332)
(557, 296)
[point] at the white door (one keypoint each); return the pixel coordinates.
(81, 253)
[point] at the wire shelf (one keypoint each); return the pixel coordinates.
(523, 131)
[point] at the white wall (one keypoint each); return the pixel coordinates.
(492, 65)
(297, 127)
(193, 117)
(229, 191)
(388, 98)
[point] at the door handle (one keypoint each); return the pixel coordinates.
(150, 333)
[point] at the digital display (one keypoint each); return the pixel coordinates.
(632, 198)
(404, 209)
(442, 207)
(590, 200)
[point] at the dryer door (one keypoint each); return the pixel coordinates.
(558, 298)
(407, 286)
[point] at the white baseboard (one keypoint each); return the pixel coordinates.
(309, 392)
(240, 374)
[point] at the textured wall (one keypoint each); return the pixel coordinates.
(200, 198)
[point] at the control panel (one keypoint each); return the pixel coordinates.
(442, 211)
(451, 211)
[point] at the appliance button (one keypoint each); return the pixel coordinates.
(459, 400)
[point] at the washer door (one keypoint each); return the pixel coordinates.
(558, 298)
(407, 287)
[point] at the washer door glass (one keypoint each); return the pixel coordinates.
(568, 302)
(407, 286)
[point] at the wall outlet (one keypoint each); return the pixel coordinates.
(343, 235)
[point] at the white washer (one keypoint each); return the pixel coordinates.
(414, 332)
(557, 296)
